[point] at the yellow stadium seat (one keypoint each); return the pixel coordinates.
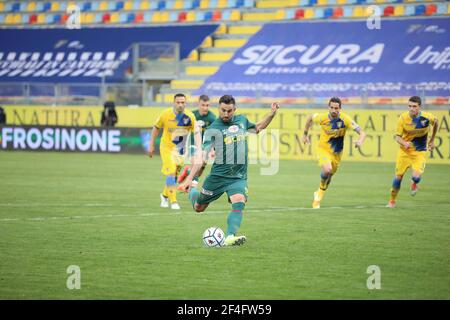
(160, 16)
(41, 18)
(229, 43)
(358, 12)
(103, 6)
(399, 11)
(145, 5)
(128, 5)
(71, 4)
(309, 13)
(190, 16)
(31, 6)
(207, 43)
(178, 5)
(243, 29)
(222, 4)
(322, 2)
(204, 4)
(341, 1)
(193, 56)
(271, 3)
(201, 70)
(9, 18)
(259, 16)
(54, 7)
(222, 29)
(114, 17)
(216, 56)
(17, 18)
(2, 7)
(280, 14)
(186, 84)
(235, 15)
(448, 8)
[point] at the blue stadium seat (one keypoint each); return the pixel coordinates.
(2, 18)
(200, 16)
(410, 10)
(123, 17)
(195, 4)
(303, 3)
(249, 3)
(87, 6)
(187, 4)
(420, 9)
(318, 13)
(15, 7)
(328, 13)
(39, 6)
(47, 6)
(119, 6)
(25, 18)
(208, 16)
(348, 12)
(312, 2)
(239, 3)
(441, 8)
(130, 17)
(360, 1)
(161, 5)
(56, 18)
(49, 18)
(148, 16)
(173, 17)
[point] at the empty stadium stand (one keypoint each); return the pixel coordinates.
(238, 19)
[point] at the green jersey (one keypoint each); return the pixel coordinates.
(230, 143)
(203, 121)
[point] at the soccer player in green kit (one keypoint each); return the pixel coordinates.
(204, 118)
(228, 135)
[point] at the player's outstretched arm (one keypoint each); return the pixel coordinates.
(151, 144)
(305, 137)
(433, 135)
(199, 162)
(362, 137)
(261, 125)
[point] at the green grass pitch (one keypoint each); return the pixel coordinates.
(101, 212)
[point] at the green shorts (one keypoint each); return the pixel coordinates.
(215, 186)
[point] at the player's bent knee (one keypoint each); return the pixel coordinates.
(200, 207)
(237, 198)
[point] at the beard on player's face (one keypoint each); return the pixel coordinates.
(226, 112)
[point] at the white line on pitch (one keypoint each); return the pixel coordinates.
(165, 213)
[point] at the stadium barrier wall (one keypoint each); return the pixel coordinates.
(289, 124)
(74, 139)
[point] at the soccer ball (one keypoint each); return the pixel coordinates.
(213, 237)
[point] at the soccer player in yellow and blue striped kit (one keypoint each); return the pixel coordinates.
(176, 123)
(412, 134)
(334, 125)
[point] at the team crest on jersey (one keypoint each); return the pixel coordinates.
(186, 121)
(423, 122)
(233, 129)
(339, 124)
(200, 123)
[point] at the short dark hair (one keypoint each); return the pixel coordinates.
(227, 99)
(416, 99)
(203, 97)
(179, 95)
(336, 100)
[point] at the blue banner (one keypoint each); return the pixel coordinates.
(322, 59)
(84, 55)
